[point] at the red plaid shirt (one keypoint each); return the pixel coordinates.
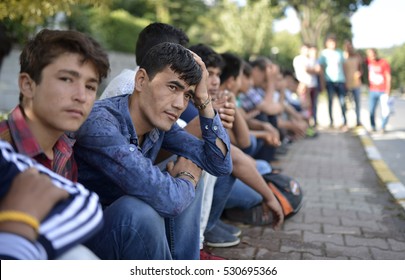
(24, 142)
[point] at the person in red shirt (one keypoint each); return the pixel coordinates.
(379, 76)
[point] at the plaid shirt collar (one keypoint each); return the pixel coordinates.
(25, 141)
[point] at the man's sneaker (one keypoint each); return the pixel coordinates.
(311, 132)
(235, 231)
(208, 256)
(218, 237)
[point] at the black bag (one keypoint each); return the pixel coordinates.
(287, 191)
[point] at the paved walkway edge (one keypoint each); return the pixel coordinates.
(386, 176)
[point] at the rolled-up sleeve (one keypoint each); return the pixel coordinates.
(205, 153)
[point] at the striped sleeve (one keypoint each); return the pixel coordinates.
(70, 222)
(15, 247)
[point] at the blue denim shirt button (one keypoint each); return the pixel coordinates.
(215, 127)
(131, 149)
(206, 127)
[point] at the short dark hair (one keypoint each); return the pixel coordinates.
(289, 73)
(233, 65)
(156, 33)
(246, 68)
(176, 57)
(260, 62)
(48, 45)
(210, 57)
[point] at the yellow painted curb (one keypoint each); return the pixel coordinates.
(366, 141)
(383, 171)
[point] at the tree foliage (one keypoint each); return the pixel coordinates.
(243, 30)
(182, 14)
(227, 25)
(317, 17)
(397, 61)
(287, 46)
(117, 30)
(33, 12)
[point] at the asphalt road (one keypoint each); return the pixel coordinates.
(391, 145)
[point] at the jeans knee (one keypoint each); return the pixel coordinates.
(134, 213)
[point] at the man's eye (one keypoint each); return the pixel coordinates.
(172, 87)
(188, 96)
(92, 88)
(66, 79)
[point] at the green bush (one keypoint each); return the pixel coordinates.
(397, 60)
(3, 116)
(117, 30)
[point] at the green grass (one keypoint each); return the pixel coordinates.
(3, 116)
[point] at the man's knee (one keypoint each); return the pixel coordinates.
(134, 213)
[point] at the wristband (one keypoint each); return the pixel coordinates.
(187, 174)
(18, 216)
(204, 105)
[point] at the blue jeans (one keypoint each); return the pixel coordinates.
(356, 96)
(255, 145)
(243, 196)
(134, 230)
(222, 190)
(313, 94)
(340, 90)
(374, 98)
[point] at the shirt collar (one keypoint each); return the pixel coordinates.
(123, 105)
(25, 141)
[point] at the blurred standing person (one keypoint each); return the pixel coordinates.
(314, 70)
(300, 63)
(332, 60)
(379, 79)
(306, 69)
(353, 68)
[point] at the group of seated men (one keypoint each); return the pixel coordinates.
(148, 170)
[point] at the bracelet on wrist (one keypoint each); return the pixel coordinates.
(203, 105)
(21, 217)
(187, 174)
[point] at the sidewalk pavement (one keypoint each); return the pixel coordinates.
(348, 212)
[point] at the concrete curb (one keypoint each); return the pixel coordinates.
(386, 176)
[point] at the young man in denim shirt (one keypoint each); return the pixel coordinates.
(117, 146)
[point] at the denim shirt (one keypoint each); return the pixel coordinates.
(112, 164)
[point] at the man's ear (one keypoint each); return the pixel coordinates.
(26, 85)
(229, 82)
(141, 77)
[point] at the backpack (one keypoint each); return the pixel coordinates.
(287, 191)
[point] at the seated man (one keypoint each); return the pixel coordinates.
(217, 233)
(58, 81)
(42, 215)
(59, 76)
(117, 146)
(151, 35)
